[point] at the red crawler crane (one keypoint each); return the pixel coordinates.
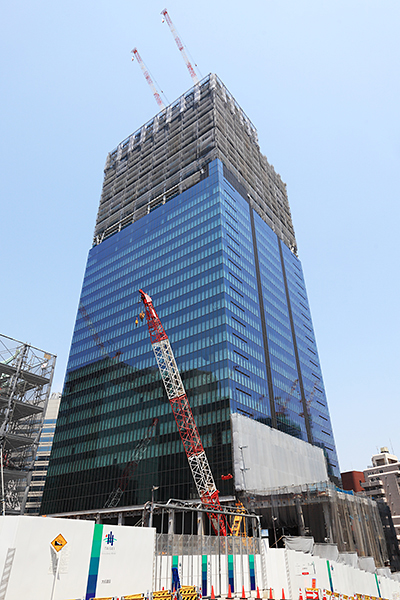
(187, 428)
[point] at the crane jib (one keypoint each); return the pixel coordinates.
(182, 411)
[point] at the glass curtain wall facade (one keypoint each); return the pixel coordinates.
(232, 299)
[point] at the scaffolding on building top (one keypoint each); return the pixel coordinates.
(171, 153)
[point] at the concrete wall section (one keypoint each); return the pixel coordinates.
(270, 459)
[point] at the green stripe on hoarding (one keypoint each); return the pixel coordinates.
(94, 562)
(252, 572)
(204, 574)
(231, 573)
(330, 575)
(377, 585)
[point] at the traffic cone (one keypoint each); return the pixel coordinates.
(243, 596)
(283, 594)
(323, 594)
(271, 595)
(212, 593)
(300, 594)
(258, 594)
(229, 592)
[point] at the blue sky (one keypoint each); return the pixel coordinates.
(320, 81)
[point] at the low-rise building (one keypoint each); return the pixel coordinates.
(353, 480)
(34, 499)
(382, 481)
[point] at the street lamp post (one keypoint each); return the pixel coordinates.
(153, 489)
(274, 519)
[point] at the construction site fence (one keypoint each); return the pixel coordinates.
(226, 564)
(209, 563)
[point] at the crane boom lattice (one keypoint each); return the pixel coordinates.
(180, 45)
(138, 453)
(95, 335)
(148, 77)
(187, 428)
(93, 331)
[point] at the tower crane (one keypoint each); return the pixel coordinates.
(94, 334)
(180, 45)
(187, 428)
(148, 77)
(310, 399)
(138, 453)
(283, 408)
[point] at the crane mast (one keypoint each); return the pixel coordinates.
(148, 78)
(187, 428)
(180, 45)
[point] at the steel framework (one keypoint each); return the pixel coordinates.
(26, 374)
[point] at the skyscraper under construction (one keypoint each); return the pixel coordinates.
(192, 213)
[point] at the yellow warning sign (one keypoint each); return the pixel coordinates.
(58, 543)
